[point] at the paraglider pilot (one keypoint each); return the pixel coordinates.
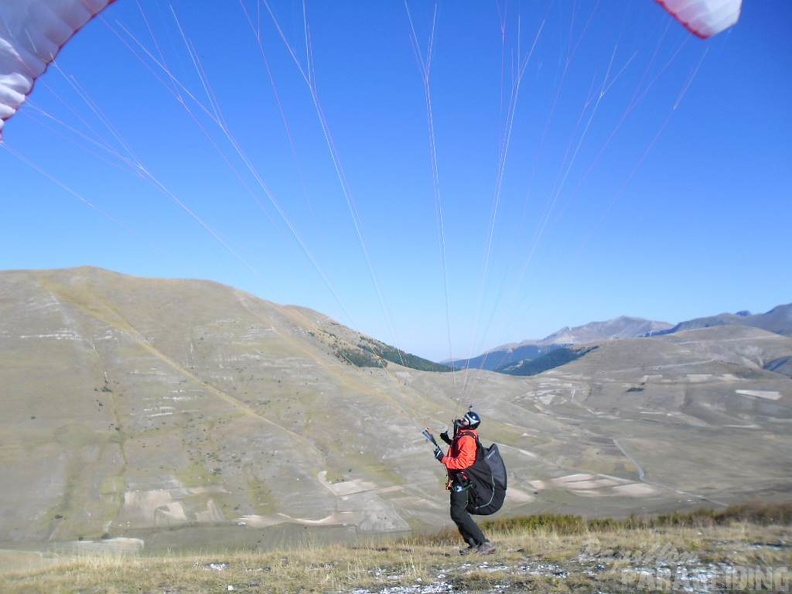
(461, 456)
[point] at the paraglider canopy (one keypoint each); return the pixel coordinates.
(704, 18)
(32, 32)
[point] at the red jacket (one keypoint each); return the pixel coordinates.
(462, 453)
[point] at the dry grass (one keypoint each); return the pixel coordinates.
(545, 556)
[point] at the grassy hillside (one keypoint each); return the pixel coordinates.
(741, 549)
(176, 412)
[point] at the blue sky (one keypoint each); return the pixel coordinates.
(586, 160)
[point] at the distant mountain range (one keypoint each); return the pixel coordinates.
(516, 358)
(777, 320)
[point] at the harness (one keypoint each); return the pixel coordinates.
(458, 479)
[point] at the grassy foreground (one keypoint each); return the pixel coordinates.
(744, 548)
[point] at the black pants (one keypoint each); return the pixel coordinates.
(469, 530)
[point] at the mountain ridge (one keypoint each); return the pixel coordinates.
(511, 355)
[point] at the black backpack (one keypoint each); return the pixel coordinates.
(487, 481)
